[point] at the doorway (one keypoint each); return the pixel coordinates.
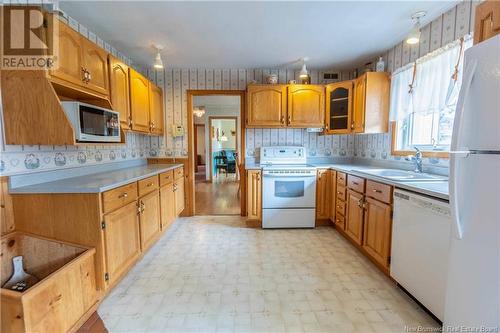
(217, 134)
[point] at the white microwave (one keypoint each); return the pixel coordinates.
(92, 123)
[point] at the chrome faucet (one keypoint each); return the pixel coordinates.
(417, 158)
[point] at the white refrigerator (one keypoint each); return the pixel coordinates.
(473, 284)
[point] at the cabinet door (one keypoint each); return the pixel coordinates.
(156, 109)
(306, 106)
(179, 196)
(354, 218)
(70, 59)
(122, 240)
(95, 61)
(358, 111)
(377, 230)
(149, 218)
(254, 195)
(167, 205)
(332, 175)
(322, 195)
(339, 107)
(487, 20)
(139, 101)
(266, 105)
(120, 98)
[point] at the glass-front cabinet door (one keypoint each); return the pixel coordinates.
(339, 107)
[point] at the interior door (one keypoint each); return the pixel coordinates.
(377, 230)
(120, 98)
(306, 106)
(266, 105)
(122, 240)
(339, 107)
(156, 109)
(70, 60)
(149, 218)
(96, 62)
(354, 218)
(139, 101)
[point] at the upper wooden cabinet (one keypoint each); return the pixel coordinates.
(306, 106)
(266, 105)
(487, 20)
(139, 101)
(156, 109)
(339, 107)
(371, 103)
(119, 90)
(277, 105)
(81, 65)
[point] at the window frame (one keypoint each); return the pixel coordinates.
(402, 152)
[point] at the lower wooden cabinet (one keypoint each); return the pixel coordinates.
(149, 218)
(254, 195)
(179, 198)
(322, 194)
(167, 205)
(332, 188)
(377, 230)
(354, 216)
(122, 240)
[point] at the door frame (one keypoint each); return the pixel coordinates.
(196, 145)
(191, 183)
(210, 118)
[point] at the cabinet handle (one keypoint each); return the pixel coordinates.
(143, 206)
(130, 122)
(376, 191)
(352, 125)
(360, 203)
(150, 184)
(84, 74)
(289, 119)
(123, 195)
(283, 120)
(355, 183)
(339, 193)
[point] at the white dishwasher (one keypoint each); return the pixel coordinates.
(420, 244)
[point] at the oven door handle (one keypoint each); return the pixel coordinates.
(266, 175)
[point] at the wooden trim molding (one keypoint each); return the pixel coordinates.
(425, 153)
(190, 165)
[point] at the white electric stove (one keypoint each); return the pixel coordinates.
(289, 188)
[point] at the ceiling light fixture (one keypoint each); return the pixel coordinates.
(303, 72)
(199, 111)
(158, 64)
(414, 35)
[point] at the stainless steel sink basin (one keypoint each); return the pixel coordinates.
(402, 175)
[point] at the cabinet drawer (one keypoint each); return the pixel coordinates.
(379, 191)
(341, 193)
(339, 221)
(166, 177)
(341, 179)
(178, 173)
(119, 197)
(148, 185)
(340, 207)
(356, 183)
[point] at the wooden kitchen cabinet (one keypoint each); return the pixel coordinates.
(122, 240)
(266, 105)
(306, 105)
(156, 109)
(119, 90)
(332, 177)
(179, 196)
(370, 113)
(377, 230)
(167, 205)
(339, 107)
(487, 20)
(322, 194)
(95, 61)
(254, 195)
(139, 101)
(149, 218)
(354, 216)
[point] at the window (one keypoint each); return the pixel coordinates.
(424, 98)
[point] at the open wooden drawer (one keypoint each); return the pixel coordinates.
(65, 295)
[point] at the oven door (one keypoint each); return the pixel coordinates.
(286, 191)
(98, 125)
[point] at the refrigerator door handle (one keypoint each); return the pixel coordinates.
(456, 153)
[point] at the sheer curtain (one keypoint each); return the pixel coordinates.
(434, 89)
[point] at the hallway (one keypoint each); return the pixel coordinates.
(219, 197)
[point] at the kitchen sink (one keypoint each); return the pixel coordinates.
(402, 175)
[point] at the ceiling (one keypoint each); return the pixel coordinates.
(218, 104)
(243, 34)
